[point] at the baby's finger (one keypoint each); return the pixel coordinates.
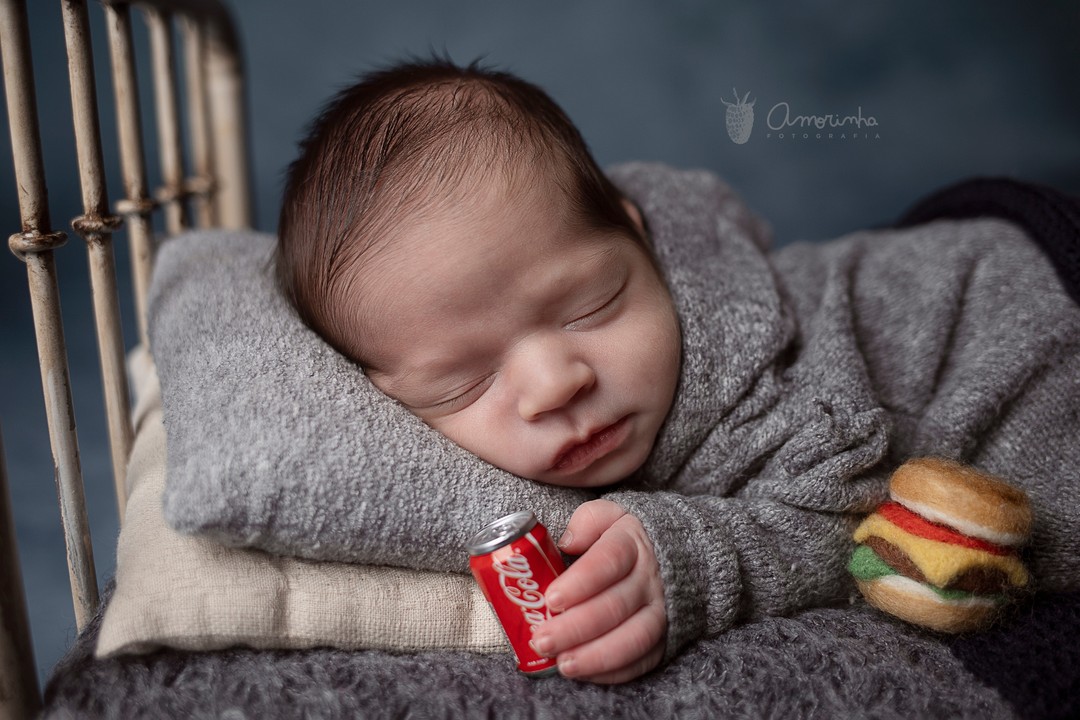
(629, 643)
(588, 523)
(610, 559)
(590, 619)
(635, 669)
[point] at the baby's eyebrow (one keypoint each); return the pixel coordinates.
(601, 269)
(596, 269)
(605, 254)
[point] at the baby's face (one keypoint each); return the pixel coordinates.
(545, 349)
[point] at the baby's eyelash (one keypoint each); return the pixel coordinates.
(598, 311)
(463, 398)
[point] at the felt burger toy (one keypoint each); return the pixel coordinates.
(942, 553)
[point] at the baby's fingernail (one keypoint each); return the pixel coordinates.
(567, 665)
(542, 646)
(566, 539)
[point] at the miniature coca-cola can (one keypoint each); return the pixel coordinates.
(514, 560)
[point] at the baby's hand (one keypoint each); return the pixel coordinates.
(613, 623)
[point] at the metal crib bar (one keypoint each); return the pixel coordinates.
(35, 246)
(229, 121)
(200, 185)
(224, 74)
(96, 226)
(137, 206)
(221, 180)
(173, 194)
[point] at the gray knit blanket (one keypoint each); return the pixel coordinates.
(808, 374)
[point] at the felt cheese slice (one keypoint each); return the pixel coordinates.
(940, 561)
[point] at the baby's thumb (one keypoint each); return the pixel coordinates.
(587, 524)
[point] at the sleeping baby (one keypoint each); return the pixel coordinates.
(732, 410)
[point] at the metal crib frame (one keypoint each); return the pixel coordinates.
(216, 193)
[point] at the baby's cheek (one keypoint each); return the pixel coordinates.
(485, 434)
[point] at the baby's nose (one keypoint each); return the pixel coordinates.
(553, 381)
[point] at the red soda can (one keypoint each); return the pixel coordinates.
(514, 560)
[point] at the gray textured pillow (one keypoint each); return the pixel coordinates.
(249, 598)
(278, 442)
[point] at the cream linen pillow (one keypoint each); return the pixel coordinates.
(185, 592)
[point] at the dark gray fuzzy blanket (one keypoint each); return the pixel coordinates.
(823, 663)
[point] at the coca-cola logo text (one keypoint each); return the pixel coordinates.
(516, 579)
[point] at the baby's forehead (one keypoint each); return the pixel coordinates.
(466, 247)
(475, 205)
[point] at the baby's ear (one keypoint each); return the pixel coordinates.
(635, 215)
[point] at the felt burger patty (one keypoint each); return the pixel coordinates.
(943, 553)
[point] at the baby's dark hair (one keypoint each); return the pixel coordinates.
(399, 138)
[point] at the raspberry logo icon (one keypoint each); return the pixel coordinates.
(739, 117)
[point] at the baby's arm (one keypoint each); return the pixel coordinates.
(613, 625)
(658, 569)
(729, 559)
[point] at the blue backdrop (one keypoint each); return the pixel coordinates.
(954, 90)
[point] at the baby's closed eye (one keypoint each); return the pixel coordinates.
(598, 314)
(460, 398)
